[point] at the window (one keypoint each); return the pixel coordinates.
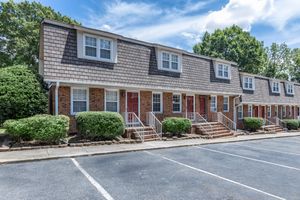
(284, 111)
(176, 103)
(111, 100)
(248, 83)
(269, 112)
(170, 62)
(79, 101)
(250, 109)
(156, 102)
(290, 111)
(98, 48)
(276, 111)
(240, 112)
(213, 104)
(275, 87)
(223, 71)
(90, 46)
(290, 88)
(226, 104)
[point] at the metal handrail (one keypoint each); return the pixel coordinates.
(280, 122)
(267, 122)
(134, 118)
(231, 125)
(152, 121)
(200, 120)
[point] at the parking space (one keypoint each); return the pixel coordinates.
(261, 169)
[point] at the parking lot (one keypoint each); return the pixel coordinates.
(260, 169)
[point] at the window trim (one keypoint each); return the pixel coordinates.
(228, 104)
(251, 111)
(217, 71)
(253, 83)
(276, 111)
(283, 111)
(170, 61)
(210, 107)
(180, 105)
(269, 114)
(161, 102)
(87, 98)
(287, 88)
(277, 92)
(98, 58)
(118, 99)
(242, 114)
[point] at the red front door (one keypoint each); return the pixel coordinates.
(263, 112)
(202, 106)
(190, 103)
(133, 102)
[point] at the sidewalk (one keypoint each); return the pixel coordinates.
(52, 153)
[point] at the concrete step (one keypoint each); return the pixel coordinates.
(229, 134)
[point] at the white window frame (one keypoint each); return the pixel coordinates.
(269, 111)
(72, 100)
(290, 86)
(98, 38)
(240, 111)
(216, 103)
(180, 103)
(276, 82)
(284, 111)
(228, 104)
(170, 61)
(223, 65)
(247, 78)
(161, 102)
(276, 111)
(118, 99)
(250, 110)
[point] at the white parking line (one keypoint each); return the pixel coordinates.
(215, 175)
(100, 189)
(248, 158)
(265, 149)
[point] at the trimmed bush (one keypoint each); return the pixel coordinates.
(253, 123)
(100, 125)
(21, 93)
(291, 124)
(42, 128)
(176, 125)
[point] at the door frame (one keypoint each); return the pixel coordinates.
(186, 106)
(133, 91)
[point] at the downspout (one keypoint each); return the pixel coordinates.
(234, 110)
(56, 97)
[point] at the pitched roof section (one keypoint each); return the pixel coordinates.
(136, 65)
(263, 92)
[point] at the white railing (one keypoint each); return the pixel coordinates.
(228, 123)
(134, 122)
(269, 125)
(204, 125)
(152, 121)
(279, 122)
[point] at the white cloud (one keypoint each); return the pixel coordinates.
(151, 22)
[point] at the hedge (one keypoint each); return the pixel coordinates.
(100, 125)
(253, 123)
(42, 128)
(291, 124)
(21, 93)
(176, 125)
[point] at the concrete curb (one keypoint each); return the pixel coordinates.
(139, 149)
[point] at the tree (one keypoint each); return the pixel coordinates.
(235, 45)
(19, 31)
(21, 94)
(295, 69)
(280, 61)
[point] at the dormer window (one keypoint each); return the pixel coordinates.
(290, 88)
(223, 71)
(170, 62)
(248, 83)
(97, 48)
(275, 87)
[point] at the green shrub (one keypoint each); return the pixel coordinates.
(100, 125)
(42, 128)
(176, 125)
(21, 93)
(253, 123)
(291, 124)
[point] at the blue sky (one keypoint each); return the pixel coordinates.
(181, 23)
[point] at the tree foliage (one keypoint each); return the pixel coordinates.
(19, 31)
(235, 45)
(21, 94)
